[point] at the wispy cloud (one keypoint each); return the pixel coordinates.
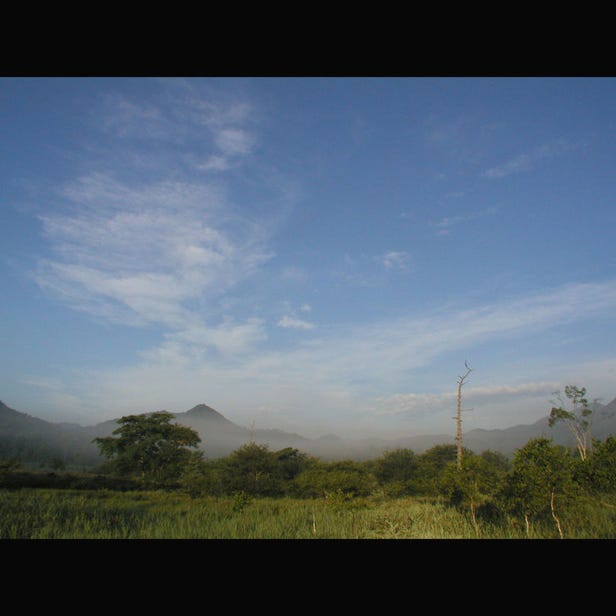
(413, 403)
(198, 342)
(395, 259)
(215, 162)
(205, 131)
(525, 161)
(127, 119)
(140, 253)
(383, 352)
(344, 372)
(48, 383)
(291, 321)
(294, 323)
(445, 225)
(294, 274)
(234, 141)
(134, 248)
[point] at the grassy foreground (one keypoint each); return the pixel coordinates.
(102, 514)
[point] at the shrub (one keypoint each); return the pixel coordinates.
(347, 477)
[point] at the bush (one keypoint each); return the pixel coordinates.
(542, 482)
(252, 469)
(348, 478)
(598, 472)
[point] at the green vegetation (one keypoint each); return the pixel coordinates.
(155, 487)
(598, 473)
(578, 420)
(475, 483)
(541, 481)
(546, 491)
(102, 514)
(150, 447)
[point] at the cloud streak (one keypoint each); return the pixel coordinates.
(294, 323)
(385, 351)
(395, 259)
(139, 254)
(410, 404)
(187, 117)
(348, 369)
(445, 225)
(136, 249)
(291, 321)
(526, 161)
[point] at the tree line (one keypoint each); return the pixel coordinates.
(541, 481)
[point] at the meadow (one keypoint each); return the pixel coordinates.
(32, 513)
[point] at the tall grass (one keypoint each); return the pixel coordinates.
(102, 514)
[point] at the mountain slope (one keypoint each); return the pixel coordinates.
(34, 440)
(38, 442)
(17, 423)
(509, 439)
(220, 436)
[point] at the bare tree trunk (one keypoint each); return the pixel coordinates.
(527, 525)
(459, 427)
(560, 530)
(582, 446)
(458, 418)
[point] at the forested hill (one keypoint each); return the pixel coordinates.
(35, 441)
(16, 423)
(38, 442)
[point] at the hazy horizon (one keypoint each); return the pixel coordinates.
(316, 255)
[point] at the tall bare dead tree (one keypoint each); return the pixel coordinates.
(458, 417)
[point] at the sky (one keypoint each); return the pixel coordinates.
(317, 255)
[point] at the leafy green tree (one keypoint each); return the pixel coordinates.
(397, 470)
(201, 477)
(347, 478)
(256, 471)
(150, 446)
(578, 419)
(497, 460)
(252, 469)
(438, 456)
(432, 464)
(474, 483)
(191, 473)
(396, 465)
(291, 462)
(599, 470)
(541, 481)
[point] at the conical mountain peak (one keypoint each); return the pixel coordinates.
(203, 411)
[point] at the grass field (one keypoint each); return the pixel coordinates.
(103, 514)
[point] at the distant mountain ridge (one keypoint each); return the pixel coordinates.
(32, 439)
(220, 436)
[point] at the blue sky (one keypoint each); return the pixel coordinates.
(312, 254)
